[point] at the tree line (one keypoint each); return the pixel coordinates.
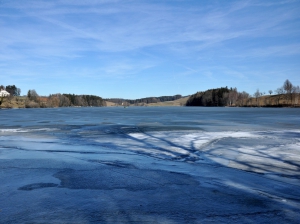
(11, 89)
(286, 95)
(142, 101)
(62, 100)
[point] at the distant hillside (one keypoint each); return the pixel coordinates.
(231, 97)
(287, 95)
(178, 102)
(54, 100)
(142, 101)
(109, 104)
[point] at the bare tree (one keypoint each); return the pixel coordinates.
(225, 98)
(64, 101)
(257, 94)
(296, 93)
(270, 91)
(288, 87)
(32, 95)
(79, 101)
(18, 92)
(53, 101)
(246, 96)
(279, 92)
(58, 100)
(243, 98)
(233, 96)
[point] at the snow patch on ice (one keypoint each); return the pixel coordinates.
(23, 130)
(138, 135)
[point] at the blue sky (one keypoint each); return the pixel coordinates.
(138, 48)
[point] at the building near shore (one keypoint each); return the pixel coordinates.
(4, 93)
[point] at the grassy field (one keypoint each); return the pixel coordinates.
(13, 102)
(179, 102)
(263, 101)
(109, 104)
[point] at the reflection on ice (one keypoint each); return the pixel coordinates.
(255, 151)
(149, 165)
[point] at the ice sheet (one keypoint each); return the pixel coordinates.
(157, 165)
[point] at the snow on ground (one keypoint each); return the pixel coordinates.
(269, 153)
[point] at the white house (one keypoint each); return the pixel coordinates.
(4, 93)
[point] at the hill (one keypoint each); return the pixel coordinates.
(121, 102)
(142, 101)
(178, 102)
(13, 102)
(231, 97)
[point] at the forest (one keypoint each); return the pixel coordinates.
(143, 101)
(63, 100)
(285, 96)
(33, 100)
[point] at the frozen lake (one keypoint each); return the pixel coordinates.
(146, 164)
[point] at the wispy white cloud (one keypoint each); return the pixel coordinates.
(133, 36)
(129, 28)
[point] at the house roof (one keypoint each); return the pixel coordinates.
(4, 93)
